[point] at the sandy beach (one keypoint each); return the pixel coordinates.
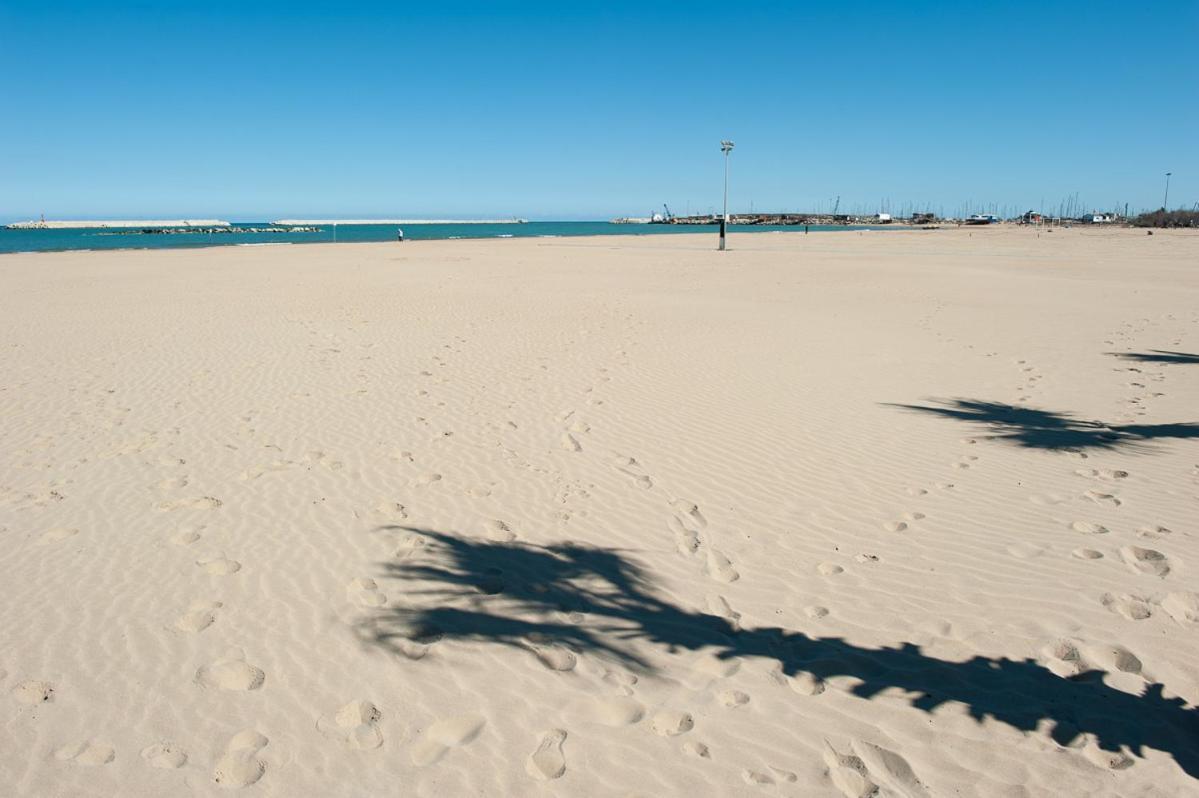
(846, 514)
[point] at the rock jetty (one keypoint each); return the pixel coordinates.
(42, 224)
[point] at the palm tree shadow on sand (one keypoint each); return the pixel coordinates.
(1031, 428)
(1159, 356)
(596, 600)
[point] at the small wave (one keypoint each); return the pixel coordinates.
(504, 235)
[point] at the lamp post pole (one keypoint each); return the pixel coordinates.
(726, 147)
(1166, 199)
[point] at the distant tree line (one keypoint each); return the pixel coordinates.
(1165, 218)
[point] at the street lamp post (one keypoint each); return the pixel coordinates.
(726, 147)
(1166, 199)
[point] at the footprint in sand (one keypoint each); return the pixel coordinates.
(548, 762)
(1152, 532)
(685, 540)
(815, 611)
(425, 480)
(1102, 498)
(1112, 760)
(410, 545)
(871, 770)
(671, 723)
(33, 692)
(689, 511)
(720, 568)
(322, 459)
(805, 683)
(199, 503)
(199, 616)
(86, 753)
(356, 724)
(186, 536)
(1107, 474)
(55, 535)
(617, 711)
(686, 523)
(1145, 561)
(490, 582)
(733, 698)
(254, 472)
(630, 467)
(164, 755)
(1134, 608)
(1087, 554)
(1088, 528)
(219, 566)
(720, 607)
(231, 672)
(1182, 606)
(620, 679)
(365, 591)
(1115, 658)
(829, 569)
(848, 773)
(554, 657)
(1064, 659)
(697, 749)
(570, 443)
(391, 510)
(706, 670)
(498, 531)
(240, 765)
(895, 526)
(437, 741)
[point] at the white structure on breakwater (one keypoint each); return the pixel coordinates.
(396, 221)
(42, 224)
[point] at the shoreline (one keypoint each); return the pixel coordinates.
(177, 243)
(749, 230)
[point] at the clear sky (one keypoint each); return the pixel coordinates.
(257, 110)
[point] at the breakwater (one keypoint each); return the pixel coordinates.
(43, 224)
(229, 230)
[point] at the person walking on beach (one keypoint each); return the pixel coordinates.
(400, 234)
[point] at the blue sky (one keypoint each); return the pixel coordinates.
(588, 110)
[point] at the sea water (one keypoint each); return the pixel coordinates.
(23, 240)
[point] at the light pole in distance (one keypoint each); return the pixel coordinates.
(726, 147)
(1166, 199)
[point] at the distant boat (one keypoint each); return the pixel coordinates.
(982, 218)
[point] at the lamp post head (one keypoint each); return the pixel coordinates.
(726, 146)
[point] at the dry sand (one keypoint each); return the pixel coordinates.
(838, 514)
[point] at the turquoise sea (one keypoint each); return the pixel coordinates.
(101, 238)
